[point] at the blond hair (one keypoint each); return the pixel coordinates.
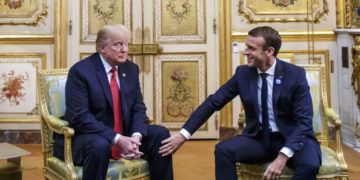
(106, 33)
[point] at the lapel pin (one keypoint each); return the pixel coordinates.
(278, 81)
(123, 74)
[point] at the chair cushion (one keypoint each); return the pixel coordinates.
(330, 166)
(118, 169)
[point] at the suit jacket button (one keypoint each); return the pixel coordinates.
(301, 144)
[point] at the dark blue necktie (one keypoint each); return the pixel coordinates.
(264, 113)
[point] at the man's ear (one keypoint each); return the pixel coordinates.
(270, 51)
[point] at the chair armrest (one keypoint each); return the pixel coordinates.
(333, 117)
(58, 125)
(62, 127)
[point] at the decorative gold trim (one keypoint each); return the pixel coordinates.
(344, 13)
(42, 56)
(288, 36)
(36, 17)
(226, 116)
(355, 77)
(26, 39)
(61, 36)
(248, 16)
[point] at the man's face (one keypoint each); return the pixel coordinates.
(256, 55)
(116, 50)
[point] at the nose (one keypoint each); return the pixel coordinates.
(245, 51)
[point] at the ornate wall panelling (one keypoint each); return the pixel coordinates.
(18, 84)
(180, 87)
(285, 16)
(27, 44)
(257, 11)
(180, 25)
(97, 13)
(27, 22)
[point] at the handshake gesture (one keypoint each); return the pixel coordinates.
(129, 147)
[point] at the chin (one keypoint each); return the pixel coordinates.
(250, 64)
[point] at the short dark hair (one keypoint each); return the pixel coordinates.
(270, 35)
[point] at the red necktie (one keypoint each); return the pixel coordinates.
(115, 151)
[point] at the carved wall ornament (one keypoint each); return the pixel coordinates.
(257, 11)
(283, 3)
(104, 12)
(355, 77)
(179, 10)
(21, 12)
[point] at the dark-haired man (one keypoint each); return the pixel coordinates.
(278, 111)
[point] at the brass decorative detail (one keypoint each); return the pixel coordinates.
(355, 77)
(253, 11)
(177, 10)
(105, 13)
(344, 13)
(20, 12)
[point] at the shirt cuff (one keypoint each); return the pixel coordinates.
(185, 133)
(117, 137)
(137, 134)
(287, 151)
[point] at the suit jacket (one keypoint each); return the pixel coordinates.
(292, 103)
(89, 107)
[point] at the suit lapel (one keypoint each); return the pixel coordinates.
(279, 77)
(123, 89)
(254, 88)
(103, 79)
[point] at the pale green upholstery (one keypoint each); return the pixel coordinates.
(333, 162)
(52, 103)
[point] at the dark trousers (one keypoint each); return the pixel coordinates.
(93, 152)
(305, 162)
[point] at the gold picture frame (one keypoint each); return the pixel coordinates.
(259, 11)
(180, 22)
(19, 86)
(96, 13)
(21, 12)
(180, 87)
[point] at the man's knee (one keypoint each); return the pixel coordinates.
(221, 150)
(99, 147)
(159, 132)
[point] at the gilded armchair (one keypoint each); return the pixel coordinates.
(52, 104)
(333, 162)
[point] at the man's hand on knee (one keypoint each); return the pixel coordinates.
(276, 167)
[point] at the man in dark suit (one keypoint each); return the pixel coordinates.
(278, 111)
(104, 106)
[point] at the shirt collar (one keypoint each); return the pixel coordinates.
(107, 66)
(270, 71)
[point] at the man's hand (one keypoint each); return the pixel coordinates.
(171, 144)
(136, 146)
(275, 168)
(129, 147)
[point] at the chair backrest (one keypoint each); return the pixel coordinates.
(316, 78)
(52, 90)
